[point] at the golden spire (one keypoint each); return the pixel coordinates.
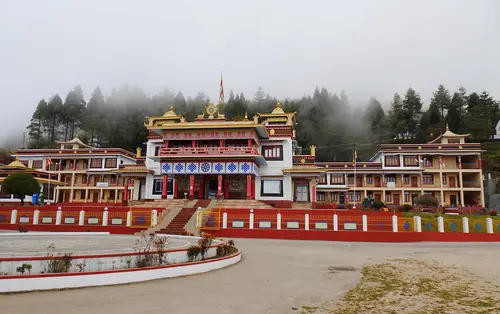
(447, 128)
(246, 114)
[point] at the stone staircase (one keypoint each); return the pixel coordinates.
(178, 223)
(250, 204)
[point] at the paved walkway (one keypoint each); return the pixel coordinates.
(273, 277)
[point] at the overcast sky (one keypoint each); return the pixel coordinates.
(368, 48)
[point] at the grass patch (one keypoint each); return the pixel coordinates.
(414, 286)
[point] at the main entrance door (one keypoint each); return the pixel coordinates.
(301, 193)
(414, 182)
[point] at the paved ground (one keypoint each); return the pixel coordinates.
(274, 277)
(36, 245)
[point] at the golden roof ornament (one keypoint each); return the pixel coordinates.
(246, 115)
(278, 109)
(255, 119)
(170, 112)
(211, 111)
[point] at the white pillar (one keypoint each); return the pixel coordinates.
(365, 222)
(489, 225)
(251, 219)
(154, 217)
(81, 218)
(129, 218)
(335, 222)
(198, 217)
(440, 224)
(306, 221)
(58, 215)
(36, 216)
(105, 215)
(278, 221)
(13, 217)
(224, 221)
(394, 223)
(465, 224)
(418, 223)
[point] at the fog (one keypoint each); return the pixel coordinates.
(367, 48)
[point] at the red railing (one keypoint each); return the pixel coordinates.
(209, 151)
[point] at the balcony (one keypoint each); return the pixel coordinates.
(209, 151)
(472, 184)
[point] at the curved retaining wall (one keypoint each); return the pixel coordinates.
(112, 277)
(93, 262)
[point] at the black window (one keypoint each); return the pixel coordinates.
(274, 152)
(157, 186)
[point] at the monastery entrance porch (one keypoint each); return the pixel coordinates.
(210, 186)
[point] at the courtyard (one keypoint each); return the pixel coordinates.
(274, 276)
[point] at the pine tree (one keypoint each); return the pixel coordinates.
(441, 99)
(72, 113)
(37, 123)
(53, 117)
(376, 120)
(477, 121)
(454, 117)
(412, 107)
(94, 120)
(396, 118)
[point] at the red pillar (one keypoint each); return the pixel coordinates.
(74, 165)
(227, 195)
(201, 192)
(249, 187)
(221, 143)
(193, 143)
(164, 187)
(175, 188)
(253, 189)
(480, 163)
(313, 196)
(219, 187)
(125, 194)
(166, 143)
(249, 142)
(191, 186)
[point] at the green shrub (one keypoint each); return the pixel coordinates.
(378, 204)
(193, 252)
(426, 200)
(493, 213)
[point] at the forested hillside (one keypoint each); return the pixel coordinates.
(325, 119)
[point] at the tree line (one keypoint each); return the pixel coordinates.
(325, 119)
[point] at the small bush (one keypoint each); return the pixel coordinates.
(22, 230)
(23, 268)
(58, 263)
(193, 252)
(205, 242)
(407, 207)
(427, 201)
(378, 204)
(493, 213)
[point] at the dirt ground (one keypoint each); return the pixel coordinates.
(302, 277)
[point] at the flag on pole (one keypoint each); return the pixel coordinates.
(49, 162)
(221, 94)
(355, 157)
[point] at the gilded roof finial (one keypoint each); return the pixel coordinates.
(447, 128)
(246, 114)
(17, 157)
(278, 105)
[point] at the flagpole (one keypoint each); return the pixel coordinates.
(354, 159)
(48, 192)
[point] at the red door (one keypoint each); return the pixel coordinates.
(414, 182)
(395, 199)
(377, 181)
(451, 182)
